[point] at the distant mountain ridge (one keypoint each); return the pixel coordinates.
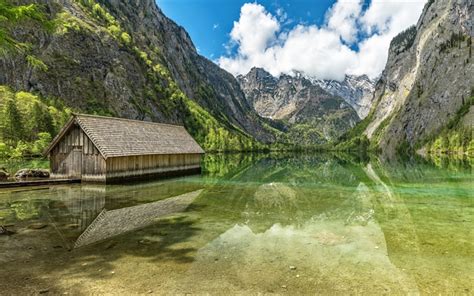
(357, 91)
(297, 100)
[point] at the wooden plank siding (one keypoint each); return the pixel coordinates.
(143, 165)
(66, 163)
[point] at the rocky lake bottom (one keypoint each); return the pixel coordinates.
(251, 223)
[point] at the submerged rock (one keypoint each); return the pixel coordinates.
(37, 226)
(32, 173)
(4, 231)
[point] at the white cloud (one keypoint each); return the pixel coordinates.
(372, 56)
(322, 52)
(215, 26)
(255, 29)
(342, 18)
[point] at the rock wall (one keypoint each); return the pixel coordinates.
(425, 81)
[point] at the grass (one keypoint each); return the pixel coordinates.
(11, 166)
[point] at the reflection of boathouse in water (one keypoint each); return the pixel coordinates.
(92, 217)
(104, 149)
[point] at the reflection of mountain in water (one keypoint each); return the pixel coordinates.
(342, 223)
(338, 256)
(334, 239)
(383, 228)
(275, 196)
(281, 188)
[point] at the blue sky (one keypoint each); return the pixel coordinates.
(324, 39)
(199, 18)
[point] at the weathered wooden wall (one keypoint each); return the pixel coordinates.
(75, 156)
(142, 165)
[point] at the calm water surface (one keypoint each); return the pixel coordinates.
(282, 224)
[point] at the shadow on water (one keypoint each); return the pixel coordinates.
(159, 243)
(330, 213)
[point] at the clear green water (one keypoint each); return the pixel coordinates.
(282, 224)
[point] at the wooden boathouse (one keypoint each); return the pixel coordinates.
(104, 149)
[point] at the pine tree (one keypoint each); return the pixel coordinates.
(42, 120)
(48, 123)
(12, 124)
(37, 116)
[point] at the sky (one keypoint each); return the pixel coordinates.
(325, 39)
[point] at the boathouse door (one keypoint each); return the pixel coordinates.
(75, 169)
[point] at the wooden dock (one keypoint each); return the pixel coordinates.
(38, 183)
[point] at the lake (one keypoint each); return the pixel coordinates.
(251, 223)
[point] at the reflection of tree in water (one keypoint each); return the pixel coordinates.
(335, 249)
(281, 188)
(284, 198)
(281, 208)
(220, 165)
(29, 209)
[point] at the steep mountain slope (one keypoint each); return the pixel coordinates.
(297, 100)
(357, 91)
(200, 79)
(125, 58)
(428, 80)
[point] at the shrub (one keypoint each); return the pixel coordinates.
(36, 63)
(41, 144)
(5, 151)
(125, 38)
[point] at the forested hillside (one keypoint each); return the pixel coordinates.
(99, 58)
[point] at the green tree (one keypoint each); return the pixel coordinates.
(40, 145)
(222, 138)
(234, 144)
(5, 151)
(12, 124)
(10, 15)
(211, 140)
(42, 120)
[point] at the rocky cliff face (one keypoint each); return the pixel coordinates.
(201, 80)
(428, 78)
(124, 58)
(357, 91)
(296, 100)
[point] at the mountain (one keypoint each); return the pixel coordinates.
(298, 101)
(357, 91)
(127, 59)
(424, 99)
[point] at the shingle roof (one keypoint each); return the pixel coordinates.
(115, 137)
